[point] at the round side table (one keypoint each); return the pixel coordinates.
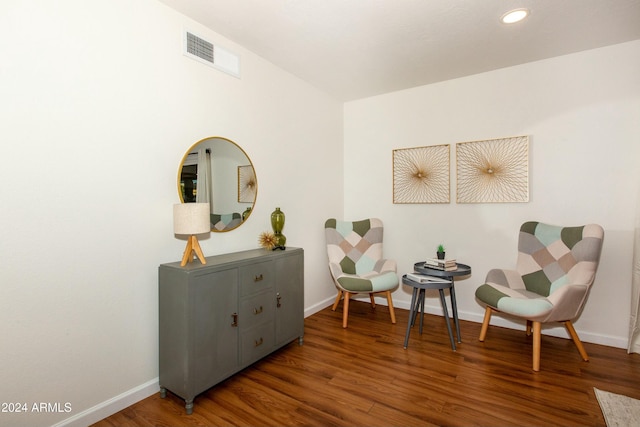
(446, 282)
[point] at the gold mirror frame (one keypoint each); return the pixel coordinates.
(232, 183)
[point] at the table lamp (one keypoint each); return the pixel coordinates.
(191, 219)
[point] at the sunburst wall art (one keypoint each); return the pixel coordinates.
(246, 184)
(421, 174)
(493, 171)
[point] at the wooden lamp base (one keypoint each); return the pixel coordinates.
(193, 248)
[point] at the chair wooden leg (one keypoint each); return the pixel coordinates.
(485, 323)
(528, 331)
(576, 340)
(335, 304)
(373, 300)
(391, 310)
(345, 309)
(537, 329)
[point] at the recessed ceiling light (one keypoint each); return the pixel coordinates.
(514, 16)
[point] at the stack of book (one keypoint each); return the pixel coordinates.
(441, 264)
(422, 278)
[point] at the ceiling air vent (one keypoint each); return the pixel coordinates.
(204, 51)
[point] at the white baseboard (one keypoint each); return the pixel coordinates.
(319, 306)
(111, 406)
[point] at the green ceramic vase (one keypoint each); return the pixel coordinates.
(277, 223)
(246, 214)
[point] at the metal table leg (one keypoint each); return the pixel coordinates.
(454, 308)
(412, 314)
(421, 302)
(446, 318)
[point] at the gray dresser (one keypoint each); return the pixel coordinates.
(219, 318)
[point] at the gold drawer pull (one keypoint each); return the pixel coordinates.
(257, 310)
(258, 278)
(258, 343)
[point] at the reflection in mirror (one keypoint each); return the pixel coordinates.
(217, 171)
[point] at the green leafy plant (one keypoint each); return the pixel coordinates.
(440, 248)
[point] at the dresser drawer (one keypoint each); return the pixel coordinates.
(256, 277)
(257, 309)
(257, 342)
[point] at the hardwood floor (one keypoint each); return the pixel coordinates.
(362, 376)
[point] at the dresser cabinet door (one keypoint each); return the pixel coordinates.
(289, 298)
(214, 324)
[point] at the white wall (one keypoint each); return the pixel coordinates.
(581, 112)
(97, 107)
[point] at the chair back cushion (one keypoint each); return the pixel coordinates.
(355, 245)
(221, 222)
(550, 256)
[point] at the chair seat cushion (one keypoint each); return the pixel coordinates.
(373, 282)
(518, 302)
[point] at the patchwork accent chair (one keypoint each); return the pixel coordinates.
(555, 268)
(356, 264)
(225, 222)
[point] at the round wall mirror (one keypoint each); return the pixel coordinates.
(217, 171)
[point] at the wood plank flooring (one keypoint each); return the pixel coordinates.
(362, 376)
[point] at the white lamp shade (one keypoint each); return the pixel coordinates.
(191, 218)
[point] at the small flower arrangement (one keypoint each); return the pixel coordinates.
(268, 240)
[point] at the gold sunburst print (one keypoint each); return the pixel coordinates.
(421, 174)
(493, 171)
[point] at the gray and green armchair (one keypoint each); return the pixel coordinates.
(555, 268)
(356, 264)
(225, 222)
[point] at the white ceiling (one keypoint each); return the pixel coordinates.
(354, 49)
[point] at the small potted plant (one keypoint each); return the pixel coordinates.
(440, 252)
